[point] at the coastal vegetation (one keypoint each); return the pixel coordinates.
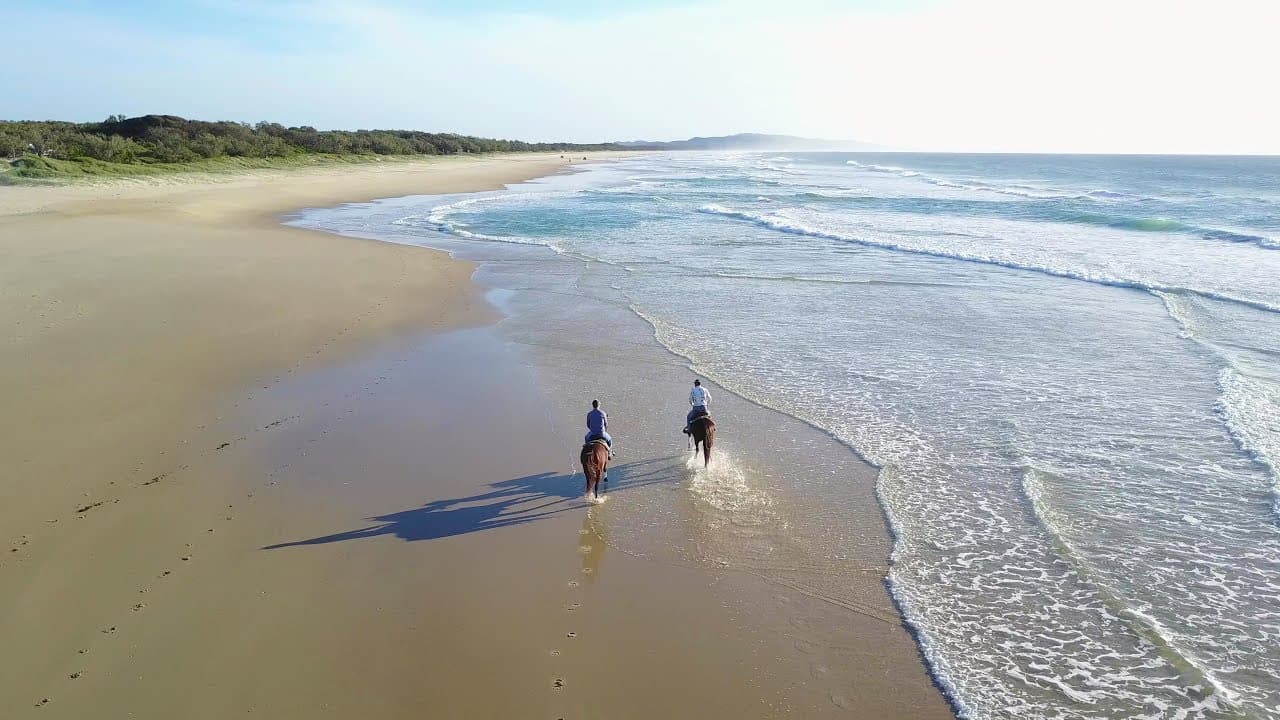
(151, 144)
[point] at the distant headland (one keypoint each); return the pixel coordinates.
(753, 141)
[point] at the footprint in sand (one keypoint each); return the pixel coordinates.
(557, 684)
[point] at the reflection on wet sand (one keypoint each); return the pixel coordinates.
(592, 540)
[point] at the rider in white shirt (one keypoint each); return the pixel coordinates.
(699, 398)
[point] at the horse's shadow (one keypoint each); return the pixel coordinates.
(507, 503)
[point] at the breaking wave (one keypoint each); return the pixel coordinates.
(1033, 192)
(1026, 191)
(781, 223)
(441, 219)
(1157, 225)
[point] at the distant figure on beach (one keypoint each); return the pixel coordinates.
(698, 424)
(597, 451)
(699, 399)
(598, 426)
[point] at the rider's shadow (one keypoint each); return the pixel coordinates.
(509, 502)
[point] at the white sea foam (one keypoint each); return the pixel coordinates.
(442, 218)
(880, 168)
(905, 458)
(723, 485)
(781, 222)
(1251, 409)
(1209, 685)
(1248, 404)
(1055, 524)
(1033, 192)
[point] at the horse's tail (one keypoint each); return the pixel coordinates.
(593, 459)
(707, 441)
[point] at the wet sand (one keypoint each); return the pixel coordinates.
(260, 470)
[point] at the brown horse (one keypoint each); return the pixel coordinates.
(703, 430)
(595, 466)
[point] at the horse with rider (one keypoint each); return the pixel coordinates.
(597, 446)
(698, 423)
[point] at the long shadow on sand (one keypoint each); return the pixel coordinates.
(509, 502)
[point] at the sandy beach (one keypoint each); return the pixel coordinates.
(257, 470)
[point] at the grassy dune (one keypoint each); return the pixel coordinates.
(35, 170)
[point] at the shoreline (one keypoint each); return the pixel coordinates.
(570, 364)
(264, 467)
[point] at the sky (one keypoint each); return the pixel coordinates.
(1137, 76)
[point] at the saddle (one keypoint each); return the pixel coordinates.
(594, 440)
(704, 415)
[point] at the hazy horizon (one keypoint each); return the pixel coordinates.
(926, 75)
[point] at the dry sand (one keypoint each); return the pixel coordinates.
(242, 476)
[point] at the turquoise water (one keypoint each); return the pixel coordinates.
(1065, 368)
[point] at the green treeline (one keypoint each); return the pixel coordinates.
(153, 139)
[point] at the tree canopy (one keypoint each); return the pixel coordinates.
(171, 139)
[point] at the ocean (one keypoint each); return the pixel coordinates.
(1065, 369)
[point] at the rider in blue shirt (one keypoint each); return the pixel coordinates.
(597, 426)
